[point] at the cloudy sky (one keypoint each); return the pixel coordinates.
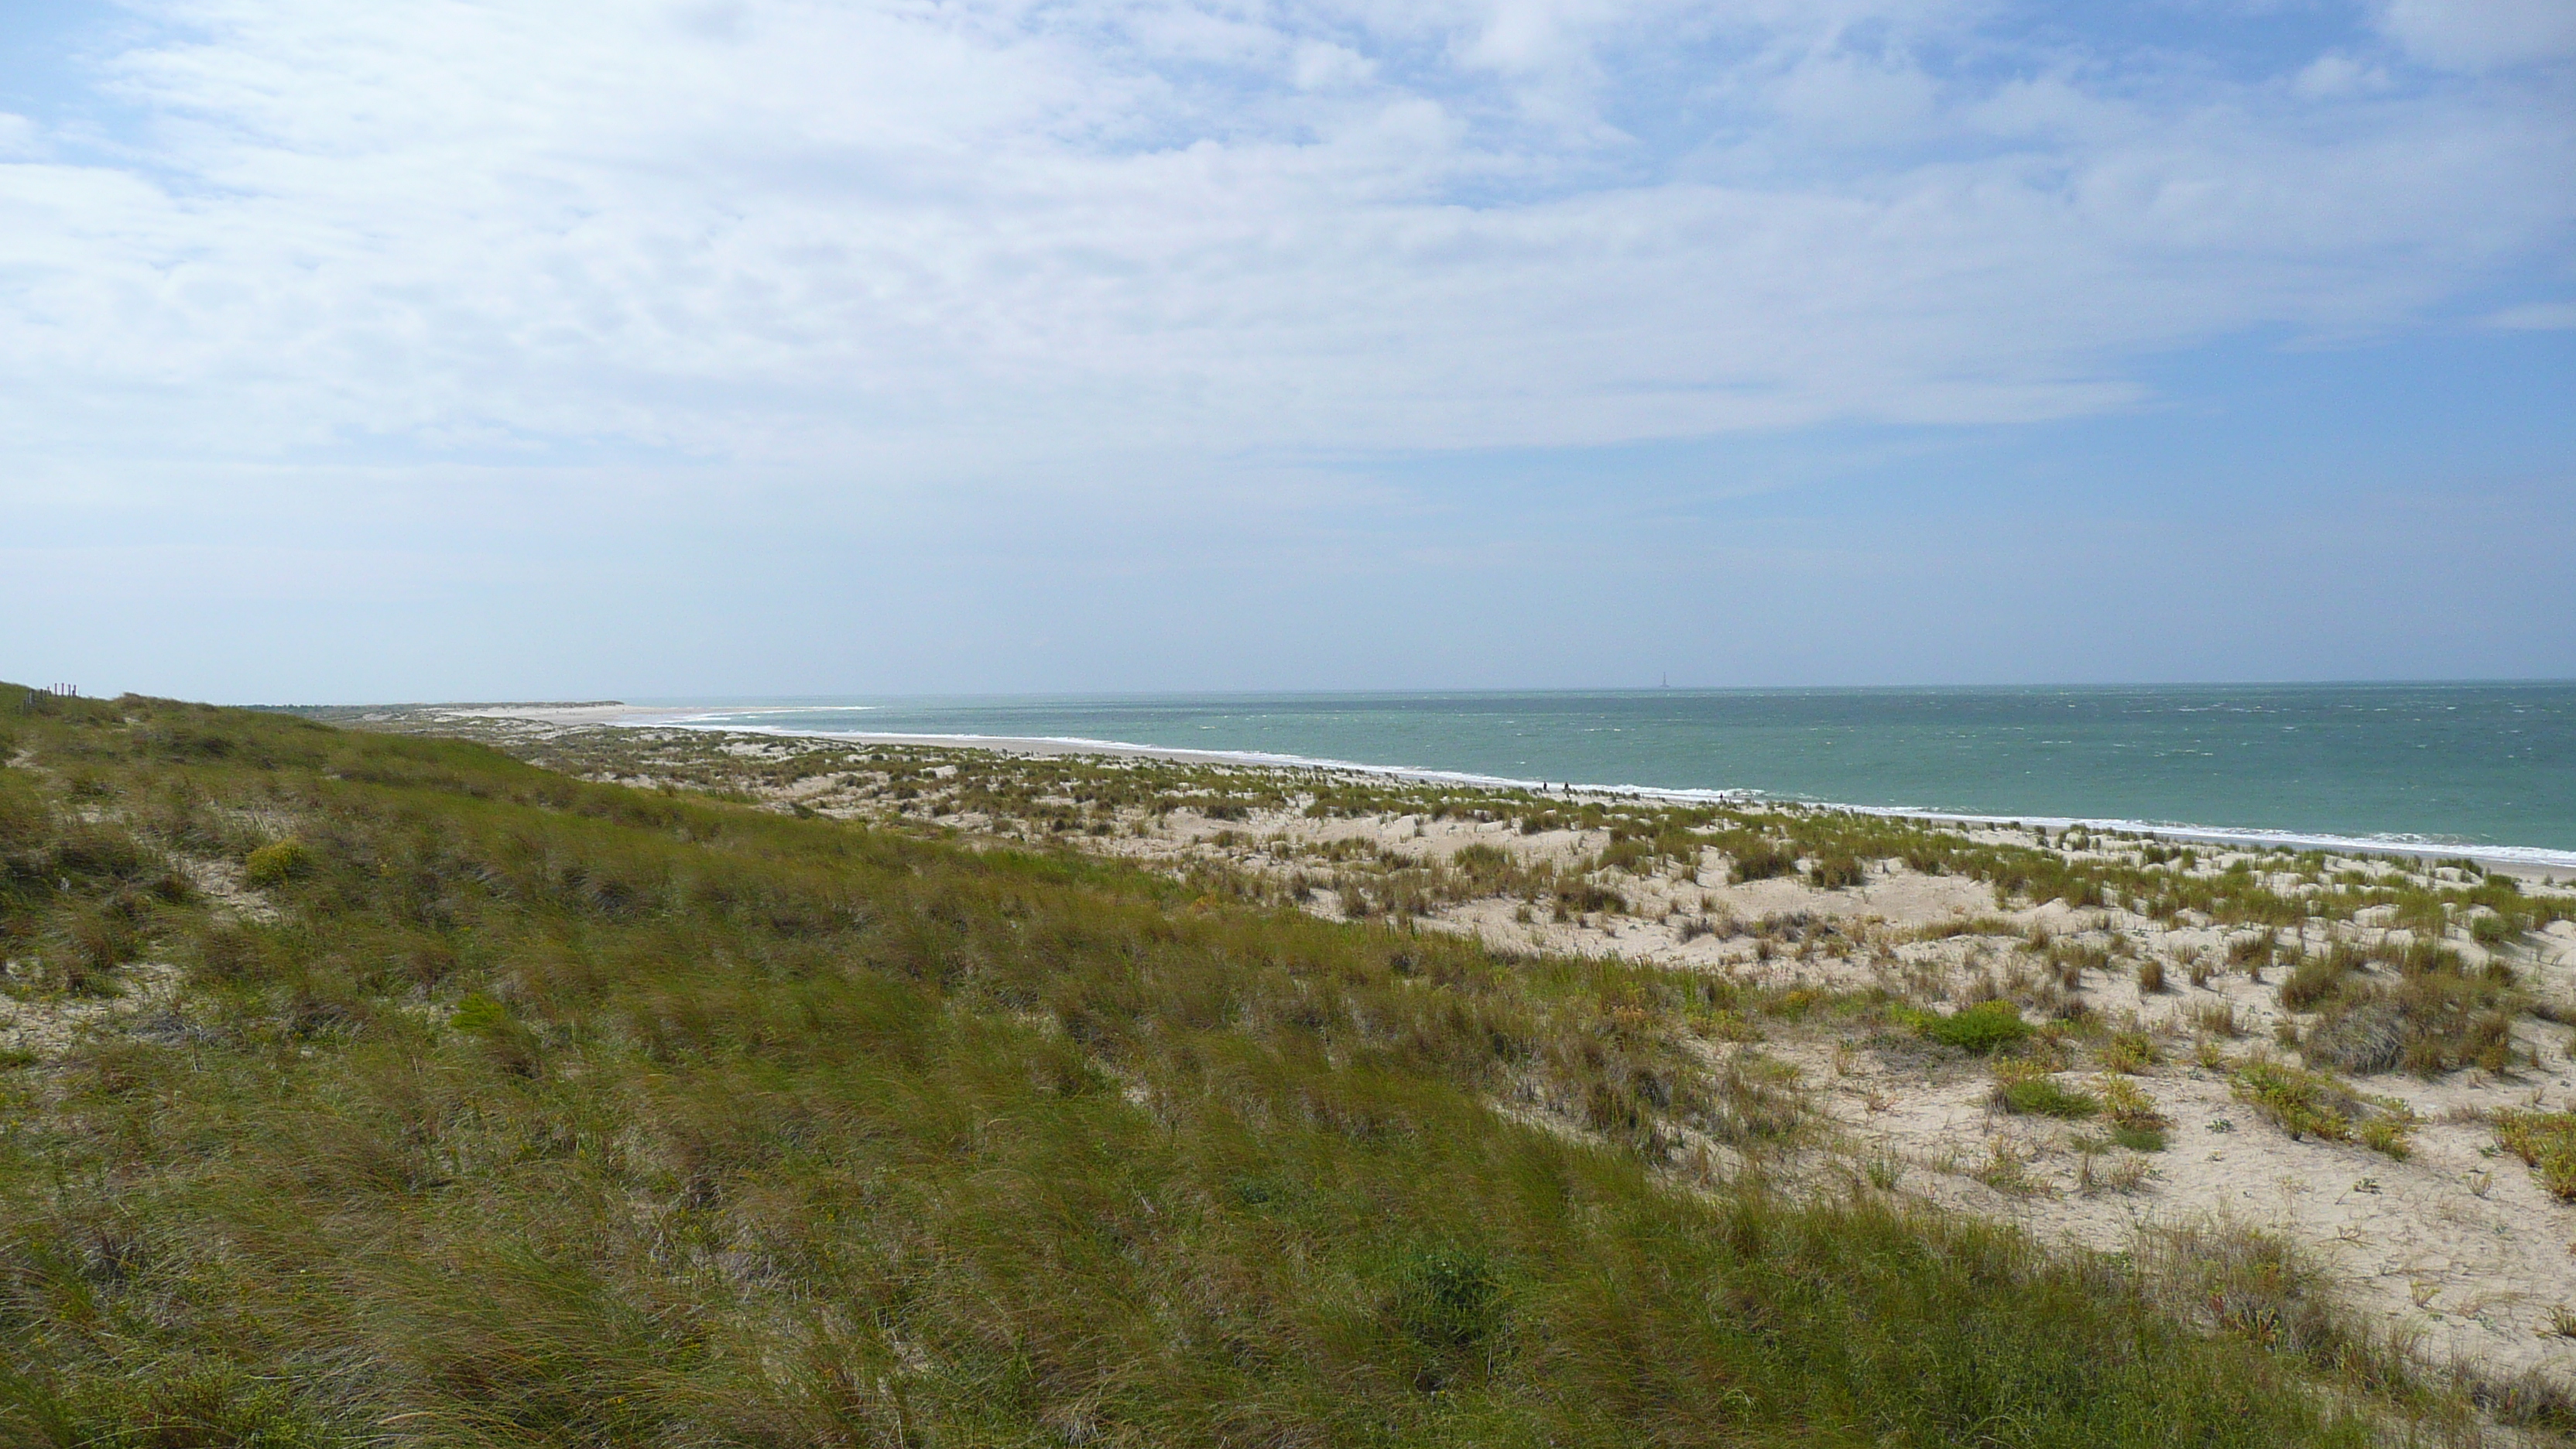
(449, 349)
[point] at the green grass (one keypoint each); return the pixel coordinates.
(2546, 1142)
(2314, 1104)
(2437, 1015)
(1837, 870)
(2139, 1139)
(1758, 857)
(2046, 1097)
(1977, 1029)
(565, 1114)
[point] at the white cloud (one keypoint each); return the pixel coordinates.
(2480, 34)
(2335, 75)
(955, 235)
(2535, 317)
(1321, 65)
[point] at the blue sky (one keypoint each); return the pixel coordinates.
(442, 349)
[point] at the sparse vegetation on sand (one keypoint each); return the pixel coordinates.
(504, 1108)
(2546, 1141)
(2112, 948)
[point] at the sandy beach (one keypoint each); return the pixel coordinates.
(2537, 866)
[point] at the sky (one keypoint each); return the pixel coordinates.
(433, 349)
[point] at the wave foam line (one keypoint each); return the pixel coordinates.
(2421, 846)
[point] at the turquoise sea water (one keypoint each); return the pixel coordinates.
(2485, 765)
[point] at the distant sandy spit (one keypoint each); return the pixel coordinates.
(574, 716)
(640, 716)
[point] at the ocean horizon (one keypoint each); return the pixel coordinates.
(2486, 768)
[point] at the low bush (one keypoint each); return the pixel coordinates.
(277, 863)
(2044, 1096)
(1979, 1029)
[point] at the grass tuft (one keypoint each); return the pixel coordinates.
(1978, 1030)
(2045, 1096)
(2546, 1142)
(2313, 1104)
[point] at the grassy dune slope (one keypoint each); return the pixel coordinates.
(407, 1094)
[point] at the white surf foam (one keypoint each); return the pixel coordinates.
(2422, 847)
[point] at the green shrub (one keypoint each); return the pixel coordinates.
(1628, 855)
(2139, 1139)
(2439, 1015)
(94, 942)
(277, 863)
(1979, 1029)
(2046, 1097)
(184, 1402)
(230, 953)
(479, 1015)
(1582, 897)
(2386, 1134)
(502, 1039)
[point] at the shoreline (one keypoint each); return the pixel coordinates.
(2534, 863)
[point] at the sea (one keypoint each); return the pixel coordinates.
(2485, 769)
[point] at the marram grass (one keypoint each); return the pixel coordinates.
(512, 1110)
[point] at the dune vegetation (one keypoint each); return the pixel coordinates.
(389, 1090)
